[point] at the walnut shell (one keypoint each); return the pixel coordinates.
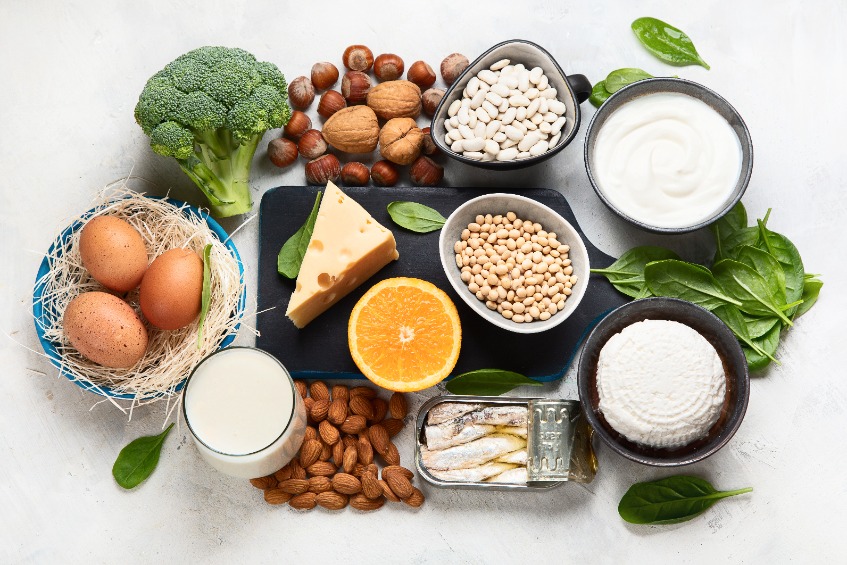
(395, 99)
(354, 129)
(400, 141)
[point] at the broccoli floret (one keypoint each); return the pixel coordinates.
(208, 109)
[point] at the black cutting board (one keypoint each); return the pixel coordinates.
(320, 349)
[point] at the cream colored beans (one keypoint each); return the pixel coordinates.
(515, 267)
(507, 112)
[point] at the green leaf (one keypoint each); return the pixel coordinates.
(488, 382)
(666, 42)
(687, 281)
(748, 287)
(623, 77)
(291, 255)
(138, 459)
(788, 257)
(731, 222)
(757, 326)
(731, 243)
(670, 500)
(627, 273)
(811, 291)
(766, 265)
(207, 291)
(765, 349)
(416, 217)
(599, 94)
(734, 320)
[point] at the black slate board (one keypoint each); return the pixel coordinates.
(320, 349)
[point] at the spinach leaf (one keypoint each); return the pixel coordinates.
(488, 382)
(416, 217)
(754, 293)
(765, 348)
(766, 265)
(734, 320)
(291, 255)
(787, 255)
(736, 239)
(732, 221)
(206, 297)
(599, 94)
(623, 77)
(687, 281)
(757, 326)
(138, 459)
(627, 273)
(811, 291)
(670, 500)
(666, 42)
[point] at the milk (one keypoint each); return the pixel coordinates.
(246, 417)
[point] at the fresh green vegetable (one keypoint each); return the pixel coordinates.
(627, 273)
(811, 291)
(488, 382)
(623, 77)
(670, 500)
(209, 109)
(731, 222)
(416, 217)
(666, 42)
(787, 255)
(764, 348)
(734, 320)
(138, 459)
(599, 94)
(752, 290)
(291, 255)
(687, 281)
(207, 291)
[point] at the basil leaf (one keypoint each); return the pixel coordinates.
(291, 255)
(138, 459)
(765, 348)
(670, 500)
(599, 94)
(811, 291)
(666, 42)
(687, 281)
(207, 291)
(749, 287)
(488, 382)
(416, 217)
(627, 273)
(623, 77)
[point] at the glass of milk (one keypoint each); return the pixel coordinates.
(246, 417)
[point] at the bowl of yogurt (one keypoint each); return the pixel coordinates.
(663, 382)
(668, 155)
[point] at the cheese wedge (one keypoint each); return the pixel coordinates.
(347, 247)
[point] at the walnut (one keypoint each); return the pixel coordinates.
(400, 141)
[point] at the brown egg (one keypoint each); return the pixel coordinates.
(105, 329)
(172, 289)
(113, 252)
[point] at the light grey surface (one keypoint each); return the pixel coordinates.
(71, 74)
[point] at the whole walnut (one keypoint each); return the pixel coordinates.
(401, 141)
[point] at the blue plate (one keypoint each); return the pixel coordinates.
(43, 316)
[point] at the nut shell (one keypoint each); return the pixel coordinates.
(358, 58)
(323, 169)
(452, 66)
(324, 75)
(431, 99)
(331, 102)
(388, 66)
(297, 125)
(421, 74)
(354, 87)
(301, 92)
(354, 174)
(426, 172)
(400, 141)
(352, 130)
(429, 147)
(395, 99)
(282, 152)
(383, 173)
(312, 144)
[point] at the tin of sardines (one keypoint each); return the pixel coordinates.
(491, 442)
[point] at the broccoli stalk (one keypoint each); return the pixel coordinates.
(209, 109)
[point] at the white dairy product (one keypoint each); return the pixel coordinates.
(660, 383)
(246, 418)
(667, 159)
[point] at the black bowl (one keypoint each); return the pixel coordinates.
(710, 327)
(571, 89)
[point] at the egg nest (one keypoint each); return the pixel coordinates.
(170, 355)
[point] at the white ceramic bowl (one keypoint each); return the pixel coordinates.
(526, 209)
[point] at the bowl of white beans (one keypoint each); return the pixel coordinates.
(512, 107)
(514, 261)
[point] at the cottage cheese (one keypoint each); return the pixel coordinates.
(661, 384)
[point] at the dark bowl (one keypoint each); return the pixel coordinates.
(682, 86)
(571, 89)
(710, 327)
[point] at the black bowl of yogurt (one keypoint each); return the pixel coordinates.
(668, 155)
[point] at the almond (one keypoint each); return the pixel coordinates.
(392, 426)
(308, 403)
(264, 482)
(277, 496)
(331, 500)
(329, 433)
(305, 501)
(402, 471)
(359, 470)
(319, 390)
(283, 474)
(326, 452)
(398, 406)
(354, 424)
(351, 456)
(337, 412)
(301, 388)
(348, 441)
(380, 408)
(354, 129)
(319, 410)
(310, 452)
(416, 499)
(399, 484)
(361, 406)
(395, 99)
(392, 455)
(297, 470)
(379, 438)
(311, 433)
(387, 492)
(370, 485)
(294, 486)
(362, 502)
(364, 450)
(373, 469)
(338, 454)
(346, 484)
(341, 392)
(319, 484)
(363, 390)
(321, 468)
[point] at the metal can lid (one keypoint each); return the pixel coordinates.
(559, 442)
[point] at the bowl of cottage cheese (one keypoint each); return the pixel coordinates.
(663, 381)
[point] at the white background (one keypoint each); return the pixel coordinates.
(71, 74)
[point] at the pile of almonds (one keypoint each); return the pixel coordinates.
(353, 116)
(335, 466)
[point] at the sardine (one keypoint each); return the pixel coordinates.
(474, 474)
(517, 457)
(473, 453)
(447, 411)
(516, 476)
(453, 433)
(498, 416)
(519, 431)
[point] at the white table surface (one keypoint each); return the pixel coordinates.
(71, 74)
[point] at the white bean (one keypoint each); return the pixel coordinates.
(477, 99)
(475, 144)
(509, 81)
(466, 131)
(523, 81)
(482, 115)
(463, 116)
(557, 125)
(543, 83)
(528, 141)
(473, 86)
(454, 121)
(494, 98)
(454, 135)
(500, 89)
(532, 93)
(549, 93)
(479, 130)
(520, 114)
(492, 147)
(535, 75)
(555, 139)
(490, 109)
(487, 76)
(532, 109)
(523, 155)
(557, 107)
(539, 148)
(499, 65)
(454, 108)
(537, 119)
(499, 137)
(514, 133)
(475, 155)
(509, 116)
(456, 146)
(472, 119)
(518, 100)
(544, 127)
(507, 154)
(492, 128)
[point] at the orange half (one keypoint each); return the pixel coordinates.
(404, 334)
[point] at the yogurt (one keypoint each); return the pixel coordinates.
(667, 160)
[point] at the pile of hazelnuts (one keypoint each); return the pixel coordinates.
(300, 138)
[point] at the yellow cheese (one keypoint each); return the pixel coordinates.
(347, 247)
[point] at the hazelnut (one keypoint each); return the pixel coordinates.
(301, 92)
(384, 173)
(358, 58)
(400, 141)
(388, 66)
(355, 86)
(282, 152)
(323, 169)
(297, 125)
(426, 172)
(431, 98)
(452, 66)
(429, 146)
(421, 74)
(324, 75)
(331, 102)
(355, 174)
(312, 144)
